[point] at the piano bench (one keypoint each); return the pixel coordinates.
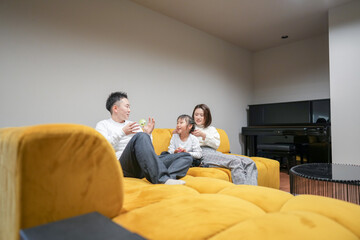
(279, 152)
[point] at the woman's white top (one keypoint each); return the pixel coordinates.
(191, 145)
(212, 138)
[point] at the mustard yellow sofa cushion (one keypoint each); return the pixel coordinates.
(268, 169)
(228, 211)
(52, 172)
(196, 217)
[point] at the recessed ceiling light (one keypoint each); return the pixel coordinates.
(284, 36)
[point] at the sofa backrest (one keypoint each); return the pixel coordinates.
(162, 136)
(52, 172)
(224, 142)
(161, 139)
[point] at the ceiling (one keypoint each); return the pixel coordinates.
(251, 24)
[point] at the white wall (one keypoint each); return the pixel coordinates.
(344, 49)
(60, 60)
(293, 72)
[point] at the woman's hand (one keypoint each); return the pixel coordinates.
(199, 133)
(131, 128)
(149, 127)
(179, 149)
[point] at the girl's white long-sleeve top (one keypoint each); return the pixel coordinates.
(191, 145)
(212, 138)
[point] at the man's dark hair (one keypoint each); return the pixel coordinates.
(207, 114)
(113, 98)
(189, 120)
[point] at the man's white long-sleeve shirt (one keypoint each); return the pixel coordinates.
(113, 132)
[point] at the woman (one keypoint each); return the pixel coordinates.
(243, 169)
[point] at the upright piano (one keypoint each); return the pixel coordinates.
(303, 126)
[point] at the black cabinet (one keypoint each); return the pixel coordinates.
(290, 113)
(302, 125)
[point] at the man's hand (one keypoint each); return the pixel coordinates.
(199, 133)
(131, 128)
(149, 126)
(179, 149)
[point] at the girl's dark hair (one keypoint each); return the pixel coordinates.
(113, 98)
(189, 120)
(207, 114)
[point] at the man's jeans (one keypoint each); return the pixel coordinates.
(139, 160)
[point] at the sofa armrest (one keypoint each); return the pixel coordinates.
(53, 172)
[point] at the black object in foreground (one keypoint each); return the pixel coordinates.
(91, 226)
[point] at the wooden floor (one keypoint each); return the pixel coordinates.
(284, 181)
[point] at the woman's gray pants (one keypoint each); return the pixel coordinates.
(243, 169)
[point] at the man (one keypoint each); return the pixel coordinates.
(133, 145)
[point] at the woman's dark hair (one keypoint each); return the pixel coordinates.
(207, 114)
(189, 120)
(113, 98)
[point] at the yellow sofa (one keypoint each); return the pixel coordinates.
(53, 172)
(268, 169)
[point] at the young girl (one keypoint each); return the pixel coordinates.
(183, 141)
(243, 169)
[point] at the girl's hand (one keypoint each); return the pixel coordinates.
(149, 127)
(131, 128)
(179, 149)
(199, 133)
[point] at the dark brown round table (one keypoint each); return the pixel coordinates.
(340, 181)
